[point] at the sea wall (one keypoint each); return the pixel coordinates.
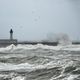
(7, 42)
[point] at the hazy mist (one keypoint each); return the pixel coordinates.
(35, 19)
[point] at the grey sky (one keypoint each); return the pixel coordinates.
(34, 19)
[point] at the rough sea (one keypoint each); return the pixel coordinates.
(40, 62)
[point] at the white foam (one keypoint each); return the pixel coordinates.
(26, 66)
(20, 48)
(23, 66)
(7, 66)
(8, 48)
(12, 76)
(18, 78)
(71, 77)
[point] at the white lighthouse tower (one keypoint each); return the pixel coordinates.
(11, 34)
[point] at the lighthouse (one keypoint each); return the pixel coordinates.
(11, 34)
(7, 42)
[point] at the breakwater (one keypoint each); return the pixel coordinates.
(4, 43)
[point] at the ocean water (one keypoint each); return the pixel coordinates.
(40, 62)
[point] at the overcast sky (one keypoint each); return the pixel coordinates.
(35, 19)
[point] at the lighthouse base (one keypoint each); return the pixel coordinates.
(7, 42)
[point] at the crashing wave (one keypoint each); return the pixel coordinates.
(20, 48)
